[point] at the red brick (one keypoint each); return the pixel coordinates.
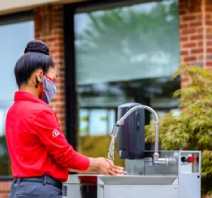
(208, 9)
(189, 31)
(189, 45)
(200, 43)
(197, 51)
(209, 23)
(209, 64)
(209, 50)
(209, 30)
(184, 38)
(184, 53)
(184, 25)
(195, 23)
(196, 37)
(208, 37)
(190, 58)
(209, 43)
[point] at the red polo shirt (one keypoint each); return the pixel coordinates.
(35, 142)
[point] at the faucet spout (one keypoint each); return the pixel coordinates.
(120, 122)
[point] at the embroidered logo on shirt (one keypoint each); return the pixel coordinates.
(55, 133)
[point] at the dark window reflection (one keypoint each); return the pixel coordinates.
(4, 162)
(104, 98)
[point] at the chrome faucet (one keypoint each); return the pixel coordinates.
(120, 122)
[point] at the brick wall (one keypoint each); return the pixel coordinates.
(49, 28)
(191, 32)
(195, 33)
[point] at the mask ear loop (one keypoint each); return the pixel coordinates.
(38, 81)
(54, 81)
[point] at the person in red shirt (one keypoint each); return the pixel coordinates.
(41, 157)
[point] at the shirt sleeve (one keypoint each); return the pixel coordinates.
(46, 127)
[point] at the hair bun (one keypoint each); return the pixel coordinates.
(37, 46)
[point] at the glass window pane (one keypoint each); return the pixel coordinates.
(125, 43)
(11, 48)
(96, 121)
(126, 54)
(84, 122)
(13, 39)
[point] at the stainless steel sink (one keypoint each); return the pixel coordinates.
(93, 186)
(180, 179)
(137, 180)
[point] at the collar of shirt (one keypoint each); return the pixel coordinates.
(26, 96)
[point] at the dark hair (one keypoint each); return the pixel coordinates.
(36, 56)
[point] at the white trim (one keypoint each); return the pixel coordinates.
(12, 6)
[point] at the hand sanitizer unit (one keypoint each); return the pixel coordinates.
(131, 134)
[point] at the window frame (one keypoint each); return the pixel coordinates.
(16, 18)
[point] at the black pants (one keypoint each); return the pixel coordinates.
(28, 189)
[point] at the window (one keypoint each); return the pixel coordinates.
(96, 121)
(11, 48)
(123, 54)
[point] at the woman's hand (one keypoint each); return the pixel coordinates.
(114, 169)
(104, 166)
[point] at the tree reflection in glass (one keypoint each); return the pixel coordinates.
(128, 54)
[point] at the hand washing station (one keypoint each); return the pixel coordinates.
(149, 174)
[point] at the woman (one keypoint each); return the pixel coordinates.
(40, 155)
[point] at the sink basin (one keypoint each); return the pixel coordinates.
(127, 186)
(122, 180)
(137, 180)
